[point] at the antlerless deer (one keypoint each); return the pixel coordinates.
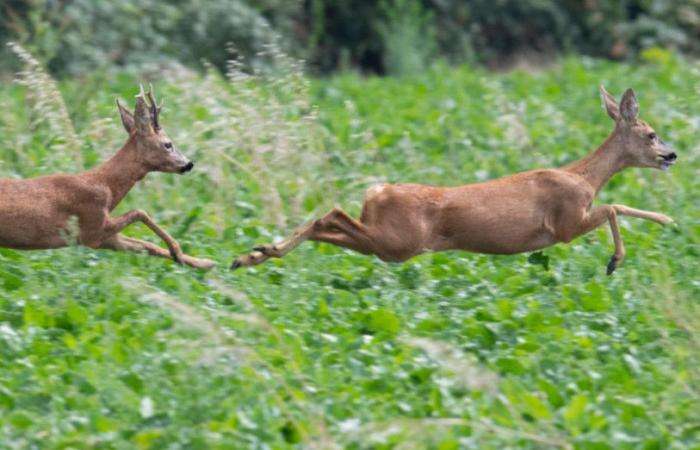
(35, 213)
(518, 213)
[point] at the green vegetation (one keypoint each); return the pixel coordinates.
(330, 349)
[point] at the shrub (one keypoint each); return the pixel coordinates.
(81, 35)
(496, 32)
(408, 37)
(391, 36)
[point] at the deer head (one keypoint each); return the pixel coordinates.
(641, 145)
(153, 146)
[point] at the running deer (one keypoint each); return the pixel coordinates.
(36, 213)
(518, 213)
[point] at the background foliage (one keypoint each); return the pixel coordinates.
(327, 348)
(387, 36)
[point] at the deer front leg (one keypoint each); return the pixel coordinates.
(591, 220)
(117, 224)
(619, 254)
(641, 214)
(123, 243)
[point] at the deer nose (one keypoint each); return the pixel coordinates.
(187, 167)
(669, 157)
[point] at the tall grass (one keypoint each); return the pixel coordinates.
(255, 131)
(48, 109)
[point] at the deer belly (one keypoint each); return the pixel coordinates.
(506, 245)
(500, 235)
(24, 229)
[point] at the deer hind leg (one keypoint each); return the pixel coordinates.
(120, 242)
(262, 253)
(336, 227)
(342, 239)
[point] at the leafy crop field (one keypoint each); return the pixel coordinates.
(327, 349)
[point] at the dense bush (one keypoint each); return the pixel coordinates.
(79, 35)
(388, 36)
(499, 32)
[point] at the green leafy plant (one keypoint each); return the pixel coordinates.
(539, 259)
(330, 349)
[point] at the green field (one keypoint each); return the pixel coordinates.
(327, 349)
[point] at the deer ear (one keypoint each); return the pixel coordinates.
(610, 104)
(142, 116)
(127, 118)
(629, 107)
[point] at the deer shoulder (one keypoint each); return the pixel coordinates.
(560, 188)
(78, 194)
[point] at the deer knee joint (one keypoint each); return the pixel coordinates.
(141, 214)
(318, 225)
(618, 209)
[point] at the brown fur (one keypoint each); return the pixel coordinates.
(518, 213)
(35, 213)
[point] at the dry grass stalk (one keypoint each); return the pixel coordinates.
(48, 107)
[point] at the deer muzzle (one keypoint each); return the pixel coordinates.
(187, 167)
(666, 160)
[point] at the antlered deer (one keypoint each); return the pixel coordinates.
(35, 213)
(518, 213)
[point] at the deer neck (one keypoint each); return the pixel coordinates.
(598, 167)
(121, 172)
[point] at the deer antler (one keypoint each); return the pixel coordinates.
(155, 109)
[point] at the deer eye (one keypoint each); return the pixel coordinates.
(652, 136)
(168, 145)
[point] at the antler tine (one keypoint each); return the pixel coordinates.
(141, 94)
(155, 110)
(162, 100)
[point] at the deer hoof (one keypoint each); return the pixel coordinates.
(666, 220)
(236, 264)
(612, 265)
